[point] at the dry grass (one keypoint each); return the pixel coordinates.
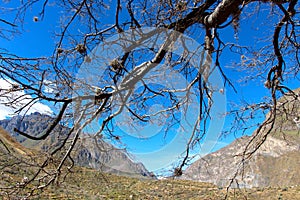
(90, 184)
(10, 141)
(85, 183)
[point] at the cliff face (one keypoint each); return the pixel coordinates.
(275, 163)
(87, 152)
(104, 156)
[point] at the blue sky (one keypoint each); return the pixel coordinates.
(38, 39)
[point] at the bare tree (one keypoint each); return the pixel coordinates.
(84, 100)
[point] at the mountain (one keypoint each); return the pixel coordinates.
(104, 156)
(87, 152)
(275, 164)
(17, 161)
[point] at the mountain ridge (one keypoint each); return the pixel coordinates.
(220, 167)
(274, 164)
(86, 152)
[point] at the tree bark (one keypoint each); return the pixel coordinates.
(221, 13)
(227, 8)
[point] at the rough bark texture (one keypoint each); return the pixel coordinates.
(227, 8)
(222, 12)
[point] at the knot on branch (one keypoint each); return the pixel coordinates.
(98, 96)
(81, 49)
(178, 171)
(209, 41)
(115, 65)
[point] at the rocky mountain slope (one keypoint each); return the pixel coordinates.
(88, 152)
(84, 183)
(276, 163)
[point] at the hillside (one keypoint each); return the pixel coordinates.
(89, 184)
(9, 144)
(83, 183)
(17, 162)
(88, 152)
(275, 164)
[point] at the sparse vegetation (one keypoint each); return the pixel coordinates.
(91, 184)
(85, 183)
